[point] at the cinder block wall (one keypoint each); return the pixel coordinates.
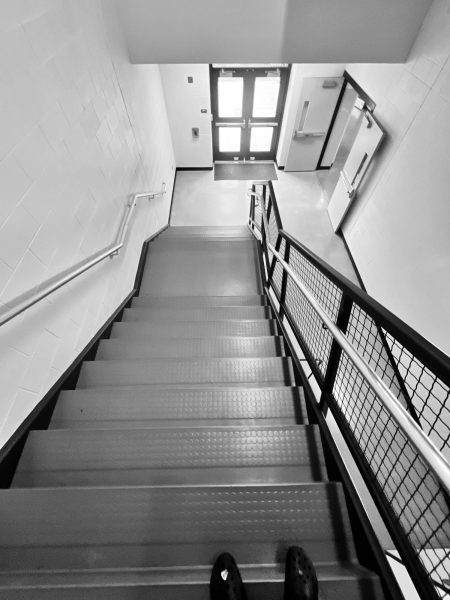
(81, 129)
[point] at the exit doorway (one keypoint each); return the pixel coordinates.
(247, 106)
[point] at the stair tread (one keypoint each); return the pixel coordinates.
(158, 447)
(225, 327)
(210, 455)
(228, 231)
(158, 524)
(210, 313)
(140, 405)
(177, 575)
(201, 267)
(189, 370)
(144, 300)
(225, 346)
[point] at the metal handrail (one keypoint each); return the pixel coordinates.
(20, 304)
(424, 446)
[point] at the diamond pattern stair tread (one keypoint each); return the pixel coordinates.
(196, 314)
(213, 455)
(126, 527)
(275, 370)
(140, 407)
(349, 581)
(197, 301)
(159, 347)
(180, 329)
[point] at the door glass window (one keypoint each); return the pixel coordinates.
(229, 139)
(261, 139)
(265, 99)
(231, 94)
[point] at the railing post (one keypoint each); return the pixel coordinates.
(345, 309)
(252, 205)
(264, 240)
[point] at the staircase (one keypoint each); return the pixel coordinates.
(187, 436)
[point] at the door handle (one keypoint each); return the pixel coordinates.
(348, 187)
(237, 124)
(298, 134)
(251, 124)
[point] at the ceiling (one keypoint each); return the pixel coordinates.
(269, 31)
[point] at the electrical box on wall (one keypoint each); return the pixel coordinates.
(190, 79)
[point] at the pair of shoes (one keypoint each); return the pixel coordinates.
(300, 581)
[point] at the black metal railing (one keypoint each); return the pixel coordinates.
(410, 495)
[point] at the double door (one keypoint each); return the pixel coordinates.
(247, 106)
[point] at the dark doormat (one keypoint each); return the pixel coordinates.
(259, 171)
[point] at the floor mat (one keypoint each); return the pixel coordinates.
(252, 171)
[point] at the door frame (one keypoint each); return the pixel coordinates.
(244, 70)
(369, 104)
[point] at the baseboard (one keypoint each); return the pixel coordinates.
(173, 194)
(195, 168)
(40, 416)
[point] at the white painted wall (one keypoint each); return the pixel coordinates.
(184, 103)
(264, 31)
(399, 229)
(81, 129)
(298, 73)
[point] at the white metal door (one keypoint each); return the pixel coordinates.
(318, 99)
(364, 147)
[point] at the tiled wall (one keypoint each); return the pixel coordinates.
(80, 130)
(399, 229)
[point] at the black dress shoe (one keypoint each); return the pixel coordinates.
(300, 582)
(226, 582)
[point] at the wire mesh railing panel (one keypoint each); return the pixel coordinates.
(277, 277)
(404, 484)
(366, 338)
(410, 489)
(315, 337)
(258, 216)
(273, 226)
(326, 292)
(428, 394)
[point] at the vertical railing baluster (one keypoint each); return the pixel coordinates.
(345, 309)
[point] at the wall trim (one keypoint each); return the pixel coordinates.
(40, 416)
(195, 168)
(173, 194)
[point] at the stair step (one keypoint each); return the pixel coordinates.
(195, 329)
(277, 371)
(160, 347)
(210, 313)
(195, 268)
(171, 456)
(202, 230)
(265, 582)
(130, 527)
(152, 406)
(196, 301)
